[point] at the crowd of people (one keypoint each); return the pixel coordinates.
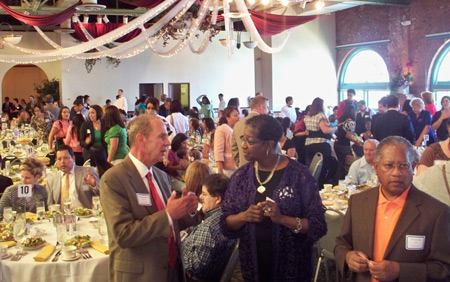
(243, 178)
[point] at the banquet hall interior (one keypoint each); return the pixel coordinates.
(304, 49)
(407, 36)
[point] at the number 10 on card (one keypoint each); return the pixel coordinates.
(24, 190)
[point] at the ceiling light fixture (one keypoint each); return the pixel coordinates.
(265, 2)
(85, 18)
(11, 38)
(320, 4)
(105, 19)
(125, 19)
(99, 19)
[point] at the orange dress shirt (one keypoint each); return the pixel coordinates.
(386, 219)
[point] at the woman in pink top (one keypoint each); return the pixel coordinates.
(222, 141)
(59, 128)
(73, 138)
(427, 97)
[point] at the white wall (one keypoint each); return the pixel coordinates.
(210, 73)
(306, 68)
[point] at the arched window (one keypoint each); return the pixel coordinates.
(365, 71)
(440, 78)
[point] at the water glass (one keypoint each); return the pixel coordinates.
(19, 231)
(61, 233)
(102, 229)
(7, 215)
(96, 203)
(40, 209)
(67, 205)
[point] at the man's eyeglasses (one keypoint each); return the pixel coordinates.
(403, 167)
(250, 143)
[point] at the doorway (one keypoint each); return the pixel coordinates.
(151, 90)
(181, 92)
(19, 81)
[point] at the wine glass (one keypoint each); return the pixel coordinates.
(67, 205)
(102, 229)
(96, 204)
(40, 209)
(7, 215)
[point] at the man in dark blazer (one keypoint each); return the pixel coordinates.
(139, 231)
(393, 123)
(395, 232)
(259, 106)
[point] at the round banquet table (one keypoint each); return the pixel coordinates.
(81, 270)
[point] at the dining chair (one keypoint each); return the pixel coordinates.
(334, 219)
(316, 165)
(232, 261)
(87, 162)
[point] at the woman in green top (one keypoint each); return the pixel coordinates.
(206, 107)
(116, 134)
(93, 132)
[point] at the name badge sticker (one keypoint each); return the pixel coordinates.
(144, 199)
(415, 242)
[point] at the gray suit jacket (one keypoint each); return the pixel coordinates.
(236, 147)
(85, 191)
(422, 215)
(137, 234)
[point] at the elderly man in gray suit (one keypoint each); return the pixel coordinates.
(259, 106)
(395, 232)
(142, 213)
(76, 183)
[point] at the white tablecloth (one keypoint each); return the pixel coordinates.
(81, 270)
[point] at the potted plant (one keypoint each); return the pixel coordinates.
(48, 87)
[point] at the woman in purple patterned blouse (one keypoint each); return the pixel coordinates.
(273, 205)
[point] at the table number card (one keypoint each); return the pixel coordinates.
(24, 190)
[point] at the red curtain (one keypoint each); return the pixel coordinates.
(142, 3)
(268, 24)
(97, 30)
(41, 21)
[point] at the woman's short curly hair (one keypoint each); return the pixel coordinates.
(34, 166)
(267, 128)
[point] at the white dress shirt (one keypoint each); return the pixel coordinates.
(289, 111)
(122, 104)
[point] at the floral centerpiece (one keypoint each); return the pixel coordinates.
(400, 83)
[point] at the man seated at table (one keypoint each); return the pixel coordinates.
(206, 249)
(77, 183)
(395, 232)
(362, 169)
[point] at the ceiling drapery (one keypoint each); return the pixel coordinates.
(269, 24)
(138, 36)
(142, 3)
(41, 21)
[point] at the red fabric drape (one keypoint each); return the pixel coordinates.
(142, 3)
(41, 21)
(268, 24)
(97, 30)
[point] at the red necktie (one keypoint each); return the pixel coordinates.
(160, 206)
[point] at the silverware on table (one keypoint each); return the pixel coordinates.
(56, 257)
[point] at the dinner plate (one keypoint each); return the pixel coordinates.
(7, 256)
(85, 216)
(78, 256)
(34, 247)
(327, 203)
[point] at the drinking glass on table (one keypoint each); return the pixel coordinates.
(7, 215)
(61, 233)
(19, 230)
(102, 229)
(96, 204)
(67, 205)
(40, 209)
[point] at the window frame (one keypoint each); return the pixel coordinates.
(365, 87)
